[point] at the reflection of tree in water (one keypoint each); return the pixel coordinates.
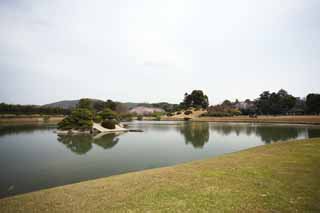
(195, 133)
(107, 141)
(227, 129)
(270, 134)
(79, 144)
(314, 133)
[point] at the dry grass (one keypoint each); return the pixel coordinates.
(281, 177)
(298, 119)
(29, 119)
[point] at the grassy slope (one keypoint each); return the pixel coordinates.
(282, 177)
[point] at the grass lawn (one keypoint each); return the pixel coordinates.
(281, 177)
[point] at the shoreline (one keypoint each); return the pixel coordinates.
(301, 119)
(247, 180)
(31, 119)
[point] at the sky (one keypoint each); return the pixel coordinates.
(156, 50)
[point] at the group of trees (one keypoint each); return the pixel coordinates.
(313, 103)
(268, 103)
(275, 103)
(82, 117)
(196, 99)
(31, 109)
(282, 103)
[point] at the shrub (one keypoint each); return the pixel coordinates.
(157, 118)
(188, 112)
(186, 118)
(170, 114)
(140, 118)
(235, 112)
(97, 119)
(109, 124)
(46, 118)
(197, 108)
(66, 124)
(108, 114)
(80, 118)
(126, 117)
(156, 114)
(218, 114)
(178, 113)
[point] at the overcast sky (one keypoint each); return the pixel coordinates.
(150, 51)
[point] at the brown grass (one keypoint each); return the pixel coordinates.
(29, 119)
(298, 119)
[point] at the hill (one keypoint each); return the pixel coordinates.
(67, 104)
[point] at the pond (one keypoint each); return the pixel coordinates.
(33, 157)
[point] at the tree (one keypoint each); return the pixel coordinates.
(110, 104)
(85, 103)
(108, 114)
(227, 103)
(196, 134)
(80, 118)
(121, 108)
(98, 105)
(299, 108)
(196, 99)
(313, 103)
(275, 103)
(263, 103)
(31, 109)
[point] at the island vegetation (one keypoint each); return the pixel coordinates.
(86, 113)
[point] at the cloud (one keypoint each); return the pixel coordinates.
(157, 50)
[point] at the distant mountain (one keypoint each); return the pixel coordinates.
(67, 104)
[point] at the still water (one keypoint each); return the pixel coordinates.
(33, 157)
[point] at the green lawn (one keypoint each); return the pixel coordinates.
(282, 177)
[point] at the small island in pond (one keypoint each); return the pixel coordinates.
(84, 119)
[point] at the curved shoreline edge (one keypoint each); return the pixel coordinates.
(300, 119)
(281, 177)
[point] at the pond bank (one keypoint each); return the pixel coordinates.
(281, 177)
(299, 119)
(30, 119)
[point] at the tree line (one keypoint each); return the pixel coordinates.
(268, 103)
(31, 109)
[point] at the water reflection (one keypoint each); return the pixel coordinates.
(196, 134)
(16, 129)
(81, 144)
(50, 162)
(107, 141)
(313, 133)
(267, 133)
(270, 134)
